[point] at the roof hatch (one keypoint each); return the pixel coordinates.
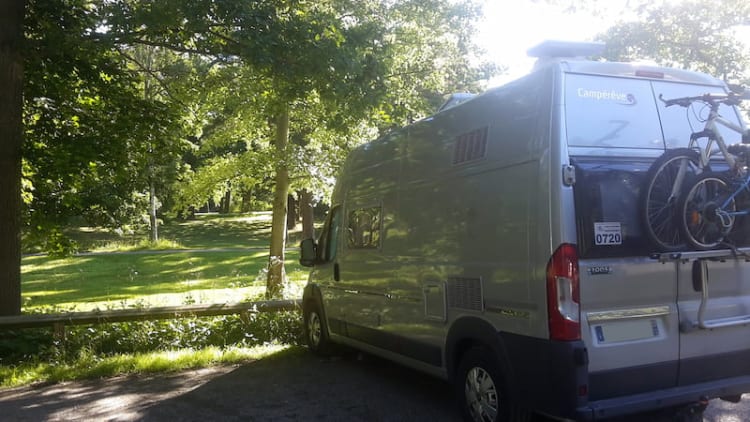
(552, 50)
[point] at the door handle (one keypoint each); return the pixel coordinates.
(336, 272)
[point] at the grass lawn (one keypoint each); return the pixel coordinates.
(212, 259)
(206, 231)
(225, 270)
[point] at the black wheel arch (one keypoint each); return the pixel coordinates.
(312, 295)
(471, 332)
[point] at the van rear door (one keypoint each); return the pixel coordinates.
(629, 314)
(650, 321)
(714, 306)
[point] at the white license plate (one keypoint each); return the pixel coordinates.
(631, 330)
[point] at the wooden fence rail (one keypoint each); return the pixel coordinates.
(166, 312)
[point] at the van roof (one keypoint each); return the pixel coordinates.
(570, 56)
(637, 70)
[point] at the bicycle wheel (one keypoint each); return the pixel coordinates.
(704, 208)
(664, 181)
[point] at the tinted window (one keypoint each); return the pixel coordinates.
(606, 195)
(680, 122)
(328, 242)
(626, 113)
(611, 112)
(364, 228)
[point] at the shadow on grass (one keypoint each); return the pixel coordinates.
(117, 277)
(206, 231)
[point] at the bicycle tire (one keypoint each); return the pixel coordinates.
(701, 225)
(658, 204)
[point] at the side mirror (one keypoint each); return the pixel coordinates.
(308, 253)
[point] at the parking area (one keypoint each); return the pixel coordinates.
(292, 385)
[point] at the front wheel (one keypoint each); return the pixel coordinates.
(665, 181)
(705, 211)
(316, 330)
(481, 390)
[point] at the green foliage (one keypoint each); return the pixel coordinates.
(139, 337)
(91, 134)
(696, 35)
(87, 365)
(118, 91)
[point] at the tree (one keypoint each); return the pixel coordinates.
(340, 62)
(11, 137)
(696, 35)
(91, 134)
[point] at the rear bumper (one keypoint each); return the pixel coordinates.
(652, 400)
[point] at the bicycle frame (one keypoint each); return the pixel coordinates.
(710, 131)
(726, 215)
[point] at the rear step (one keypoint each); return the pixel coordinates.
(714, 255)
(700, 283)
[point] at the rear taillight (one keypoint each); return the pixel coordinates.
(563, 294)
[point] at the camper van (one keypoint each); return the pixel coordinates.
(498, 245)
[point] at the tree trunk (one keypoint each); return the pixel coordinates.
(154, 235)
(11, 138)
(291, 213)
(247, 197)
(276, 273)
(226, 202)
(306, 211)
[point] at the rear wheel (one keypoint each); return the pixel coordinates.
(664, 181)
(704, 211)
(481, 390)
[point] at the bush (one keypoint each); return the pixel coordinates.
(102, 340)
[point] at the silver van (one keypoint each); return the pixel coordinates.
(498, 244)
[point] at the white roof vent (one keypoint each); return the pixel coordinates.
(549, 51)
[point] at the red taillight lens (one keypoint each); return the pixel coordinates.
(563, 294)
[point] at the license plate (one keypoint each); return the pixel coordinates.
(632, 330)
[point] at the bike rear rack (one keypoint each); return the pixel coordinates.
(700, 283)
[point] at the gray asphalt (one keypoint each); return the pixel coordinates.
(292, 385)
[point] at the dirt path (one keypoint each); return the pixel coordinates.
(289, 386)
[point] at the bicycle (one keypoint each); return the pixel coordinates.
(679, 167)
(711, 204)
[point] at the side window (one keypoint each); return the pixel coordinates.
(364, 228)
(328, 241)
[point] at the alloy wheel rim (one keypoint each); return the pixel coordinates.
(314, 328)
(481, 395)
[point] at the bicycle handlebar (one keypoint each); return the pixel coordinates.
(712, 99)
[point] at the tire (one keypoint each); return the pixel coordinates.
(482, 392)
(701, 226)
(316, 329)
(658, 203)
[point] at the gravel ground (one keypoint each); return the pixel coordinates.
(292, 385)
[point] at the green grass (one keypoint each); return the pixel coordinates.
(212, 259)
(229, 267)
(154, 279)
(206, 231)
(89, 366)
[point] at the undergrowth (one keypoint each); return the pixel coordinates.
(41, 355)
